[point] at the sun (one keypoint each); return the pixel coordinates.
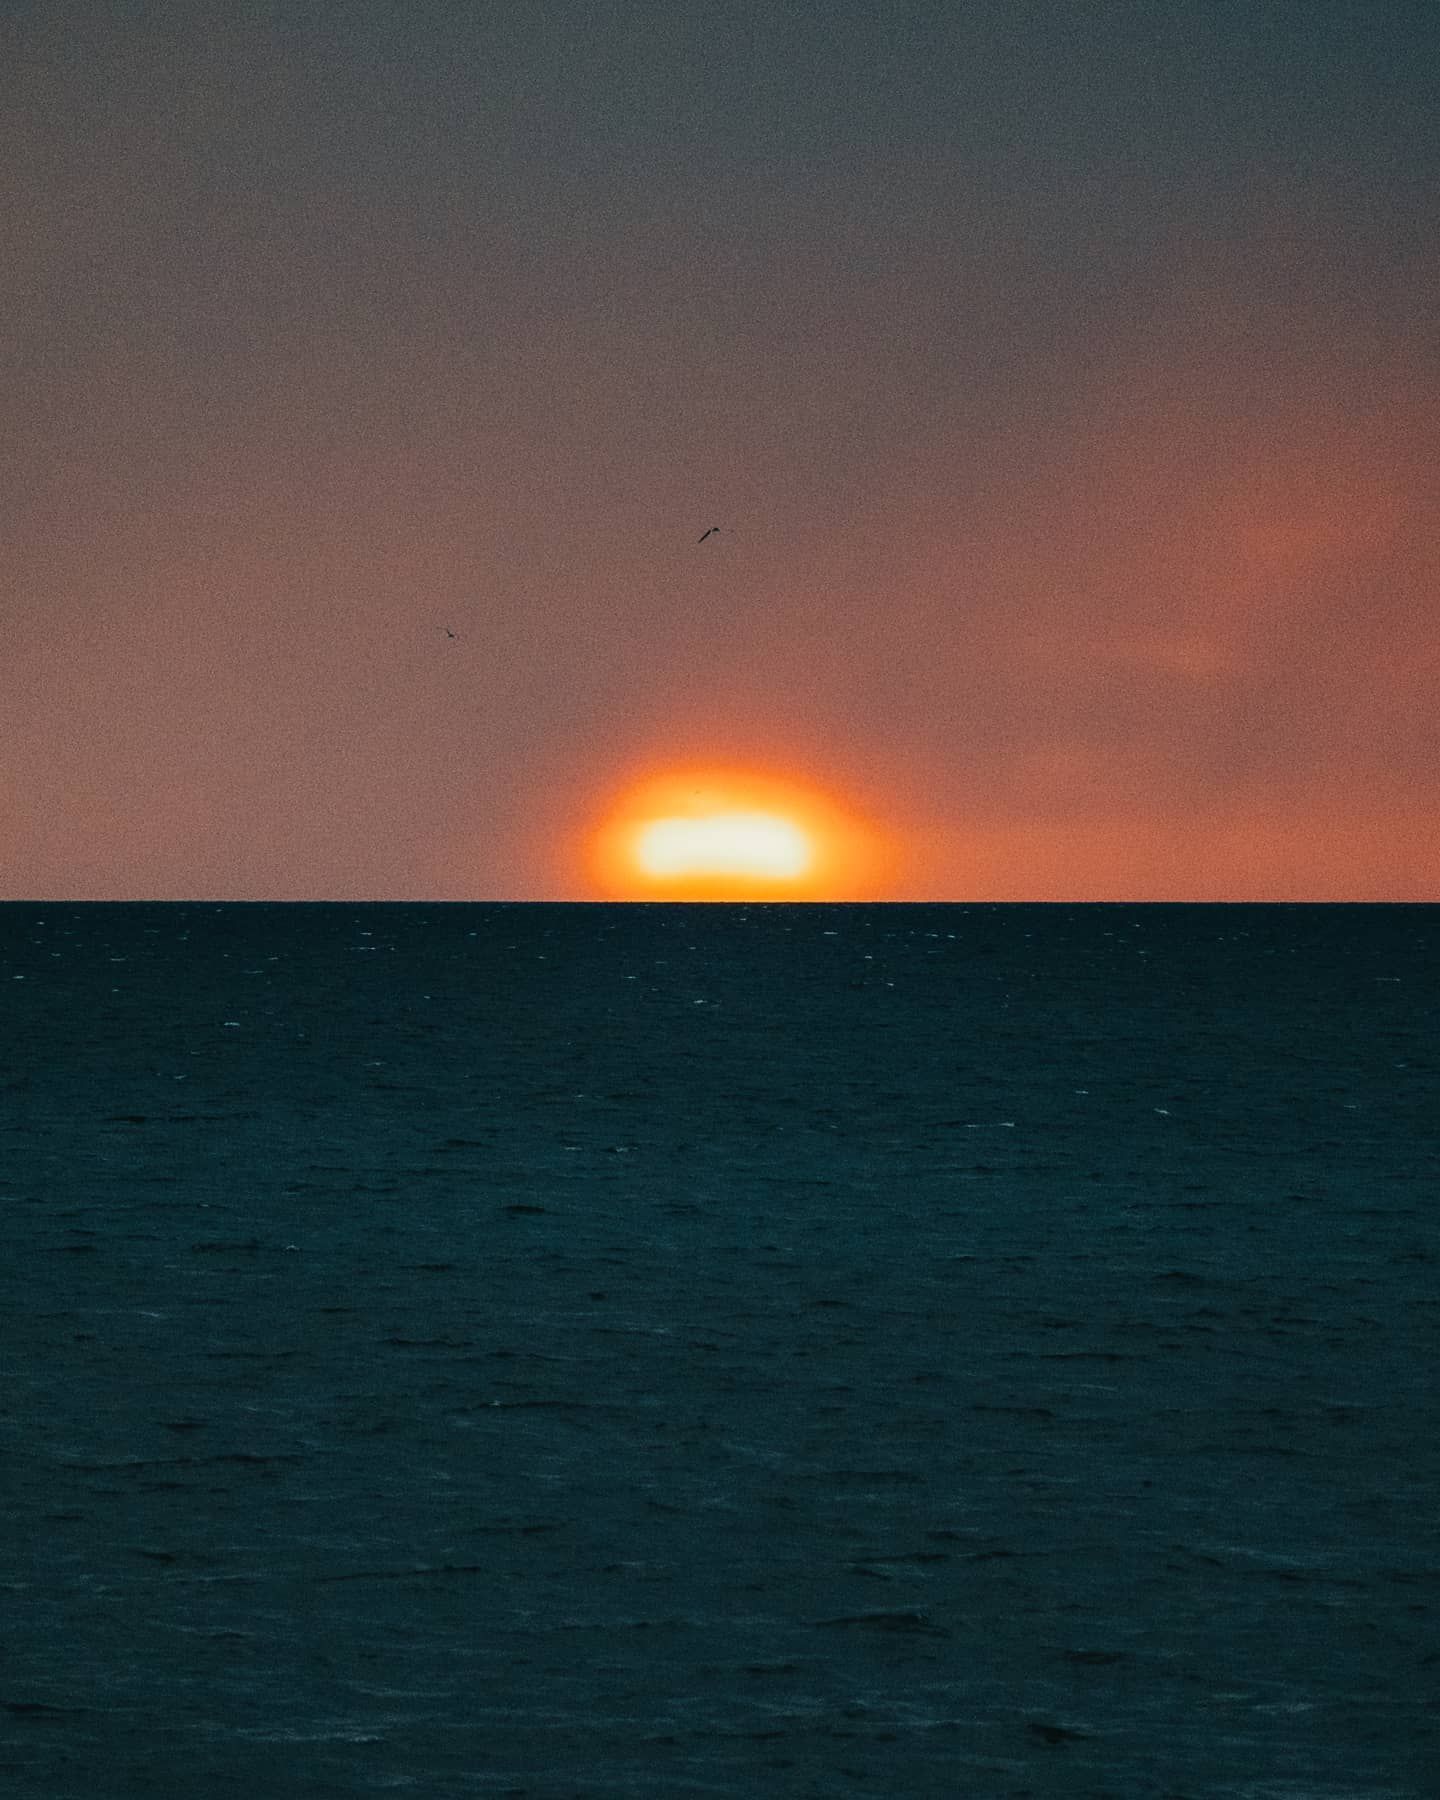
(729, 834)
(744, 846)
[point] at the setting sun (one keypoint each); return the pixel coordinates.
(728, 835)
(730, 844)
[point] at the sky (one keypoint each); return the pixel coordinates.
(1063, 378)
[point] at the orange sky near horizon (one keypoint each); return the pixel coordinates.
(369, 390)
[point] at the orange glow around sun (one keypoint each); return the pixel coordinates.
(732, 835)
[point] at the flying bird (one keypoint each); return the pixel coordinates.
(710, 533)
(448, 632)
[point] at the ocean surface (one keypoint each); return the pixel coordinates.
(470, 1350)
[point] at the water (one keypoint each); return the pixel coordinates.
(719, 1351)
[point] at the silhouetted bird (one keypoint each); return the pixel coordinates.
(448, 632)
(710, 533)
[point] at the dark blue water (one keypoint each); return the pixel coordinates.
(621, 1351)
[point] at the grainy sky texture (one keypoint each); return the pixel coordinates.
(1063, 375)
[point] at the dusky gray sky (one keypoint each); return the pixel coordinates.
(1064, 378)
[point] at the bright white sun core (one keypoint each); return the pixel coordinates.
(725, 844)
